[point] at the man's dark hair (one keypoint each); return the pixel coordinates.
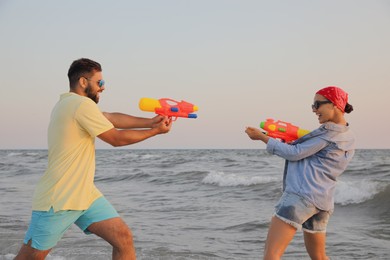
(82, 68)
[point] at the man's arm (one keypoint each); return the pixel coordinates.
(117, 137)
(124, 121)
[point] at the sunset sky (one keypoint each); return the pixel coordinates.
(239, 61)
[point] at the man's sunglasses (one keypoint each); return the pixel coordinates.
(317, 104)
(100, 82)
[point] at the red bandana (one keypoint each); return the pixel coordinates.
(336, 95)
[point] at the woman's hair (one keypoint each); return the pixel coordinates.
(348, 108)
(80, 68)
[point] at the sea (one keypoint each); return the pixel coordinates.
(202, 204)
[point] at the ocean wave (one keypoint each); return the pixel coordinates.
(121, 177)
(231, 180)
(13, 154)
(136, 156)
(247, 226)
(12, 256)
(357, 191)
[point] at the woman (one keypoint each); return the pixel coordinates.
(313, 164)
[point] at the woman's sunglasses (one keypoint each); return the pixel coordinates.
(317, 104)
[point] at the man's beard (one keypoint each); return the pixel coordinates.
(91, 95)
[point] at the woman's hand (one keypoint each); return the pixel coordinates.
(256, 134)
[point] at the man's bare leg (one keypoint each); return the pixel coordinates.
(26, 252)
(118, 234)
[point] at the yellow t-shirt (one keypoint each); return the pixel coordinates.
(68, 183)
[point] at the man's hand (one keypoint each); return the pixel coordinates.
(162, 123)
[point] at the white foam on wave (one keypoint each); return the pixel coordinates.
(231, 180)
(354, 192)
(136, 156)
(12, 154)
(148, 156)
(49, 257)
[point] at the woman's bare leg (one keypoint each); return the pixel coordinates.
(279, 236)
(315, 245)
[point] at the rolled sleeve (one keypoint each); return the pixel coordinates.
(271, 145)
(295, 152)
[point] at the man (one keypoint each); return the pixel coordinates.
(66, 193)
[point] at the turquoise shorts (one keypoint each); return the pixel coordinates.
(47, 227)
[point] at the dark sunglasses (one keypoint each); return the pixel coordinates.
(100, 82)
(317, 104)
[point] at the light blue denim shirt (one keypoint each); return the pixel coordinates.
(314, 161)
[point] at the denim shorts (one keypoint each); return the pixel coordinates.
(47, 227)
(300, 213)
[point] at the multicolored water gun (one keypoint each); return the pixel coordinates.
(168, 107)
(287, 132)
